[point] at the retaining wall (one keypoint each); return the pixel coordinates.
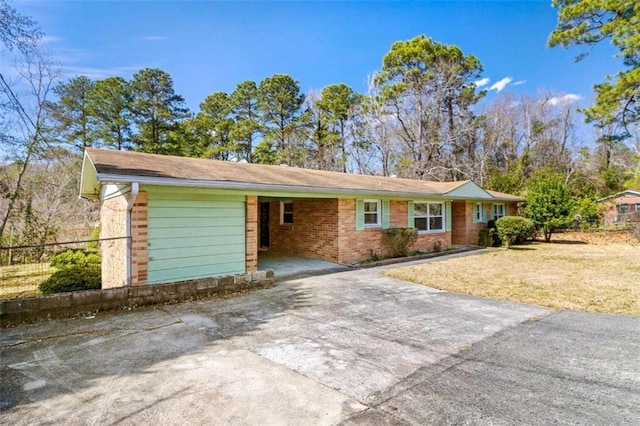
(62, 305)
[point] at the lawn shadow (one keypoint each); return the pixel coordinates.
(521, 248)
(568, 242)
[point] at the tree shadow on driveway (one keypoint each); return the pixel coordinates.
(45, 360)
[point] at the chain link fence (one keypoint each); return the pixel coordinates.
(24, 269)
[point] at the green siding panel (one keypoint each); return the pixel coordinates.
(359, 215)
(193, 222)
(386, 211)
(448, 215)
(410, 218)
(194, 235)
(469, 190)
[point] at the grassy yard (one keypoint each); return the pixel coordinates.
(564, 275)
(23, 280)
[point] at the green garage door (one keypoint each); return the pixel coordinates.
(194, 235)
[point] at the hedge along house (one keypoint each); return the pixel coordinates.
(186, 218)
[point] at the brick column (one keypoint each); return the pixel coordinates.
(251, 234)
(139, 240)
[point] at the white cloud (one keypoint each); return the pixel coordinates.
(498, 86)
(482, 82)
(49, 39)
(153, 38)
(519, 82)
(569, 98)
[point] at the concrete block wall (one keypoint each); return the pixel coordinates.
(62, 305)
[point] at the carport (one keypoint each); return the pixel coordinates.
(287, 266)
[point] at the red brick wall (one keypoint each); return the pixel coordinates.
(356, 246)
(314, 232)
(251, 233)
(139, 239)
(464, 231)
(460, 221)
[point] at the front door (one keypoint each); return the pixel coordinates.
(264, 224)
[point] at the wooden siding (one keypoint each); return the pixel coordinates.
(194, 235)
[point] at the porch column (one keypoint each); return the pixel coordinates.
(251, 233)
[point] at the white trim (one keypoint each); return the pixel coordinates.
(494, 212)
(479, 208)
(378, 223)
(428, 216)
(282, 204)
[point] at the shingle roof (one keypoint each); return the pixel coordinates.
(111, 165)
(505, 196)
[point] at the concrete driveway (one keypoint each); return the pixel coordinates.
(352, 347)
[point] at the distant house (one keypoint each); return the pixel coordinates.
(621, 208)
(187, 218)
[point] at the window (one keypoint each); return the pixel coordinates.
(286, 212)
(428, 216)
(478, 213)
(497, 211)
(371, 213)
(638, 207)
(623, 208)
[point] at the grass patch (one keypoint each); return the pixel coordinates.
(23, 280)
(582, 277)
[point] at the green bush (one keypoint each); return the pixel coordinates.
(75, 257)
(514, 229)
(485, 238)
(587, 213)
(72, 278)
(94, 243)
(77, 270)
(400, 240)
(493, 233)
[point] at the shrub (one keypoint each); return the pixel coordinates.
(77, 270)
(587, 213)
(485, 238)
(514, 229)
(75, 257)
(400, 240)
(72, 278)
(493, 232)
(94, 239)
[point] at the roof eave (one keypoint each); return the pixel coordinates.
(258, 187)
(89, 187)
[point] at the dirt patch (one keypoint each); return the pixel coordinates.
(577, 276)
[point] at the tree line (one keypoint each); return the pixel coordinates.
(423, 116)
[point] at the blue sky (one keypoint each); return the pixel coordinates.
(210, 46)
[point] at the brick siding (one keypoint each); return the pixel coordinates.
(251, 232)
(139, 240)
(314, 232)
(356, 246)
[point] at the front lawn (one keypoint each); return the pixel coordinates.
(564, 275)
